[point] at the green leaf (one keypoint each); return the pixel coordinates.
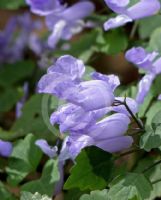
(131, 187)
(5, 194)
(73, 194)
(82, 48)
(34, 120)
(155, 42)
(156, 121)
(148, 25)
(151, 139)
(152, 112)
(91, 171)
(112, 42)
(96, 195)
(36, 196)
(10, 4)
(153, 174)
(44, 185)
(12, 73)
(8, 98)
(24, 159)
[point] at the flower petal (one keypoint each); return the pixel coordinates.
(111, 80)
(5, 148)
(70, 66)
(110, 127)
(118, 21)
(115, 144)
(143, 8)
(48, 150)
(144, 87)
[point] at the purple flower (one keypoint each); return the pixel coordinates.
(13, 45)
(67, 69)
(150, 62)
(141, 58)
(5, 148)
(73, 118)
(68, 22)
(90, 95)
(70, 66)
(112, 80)
(144, 87)
(128, 13)
(44, 8)
(88, 102)
(48, 150)
(53, 152)
(107, 134)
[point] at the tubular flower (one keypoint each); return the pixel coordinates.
(151, 63)
(62, 21)
(83, 117)
(128, 13)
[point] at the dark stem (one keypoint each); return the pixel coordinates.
(131, 113)
(156, 181)
(127, 153)
(151, 166)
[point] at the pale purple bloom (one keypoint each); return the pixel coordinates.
(46, 148)
(107, 134)
(150, 62)
(112, 80)
(90, 95)
(44, 7)
(67, 69)
(64, 80)
(128, 13)
(70, 66)
(68, 22)
(118, 21)
(13, 45)
(144, 87)
(52, 151)
(71, 117)
(141, 58)
(63, 21)
(75, 143)
(5, 148)
(88, 102)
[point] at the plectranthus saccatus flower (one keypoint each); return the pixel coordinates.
(129, 11)
(61, 20)
(150, 63)
(13, 48)
(84, 117)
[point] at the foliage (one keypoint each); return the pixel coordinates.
(79, 170)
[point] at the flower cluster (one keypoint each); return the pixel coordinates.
(61, 20)
(151, 63)
(128, 11)
(14, 45)
(85, 116)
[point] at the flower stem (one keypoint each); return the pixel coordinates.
(127, 153)
(131, 113)
(151, 166)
